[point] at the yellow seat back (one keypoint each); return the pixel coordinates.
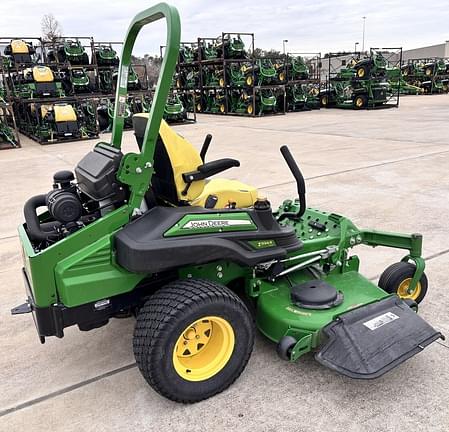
(64, 113)
(184, 158)
(19, 46)
(42, 74)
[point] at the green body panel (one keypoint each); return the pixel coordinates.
(43, 271)
(74, 275)
(191, 224)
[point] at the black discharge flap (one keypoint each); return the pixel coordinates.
(369, 341)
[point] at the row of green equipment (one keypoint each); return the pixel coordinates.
(202, 264)
(357, 82)
(429, 75)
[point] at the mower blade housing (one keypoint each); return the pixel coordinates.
(369, 341)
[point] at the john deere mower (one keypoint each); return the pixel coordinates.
(77, 80)
(174, 110)
(145, 234)
(36, 82)
(373, 66)
(302, 97)
(105, 55)
(232, 46)
(68, 51)
(188, 53)
(354, 93)
(297, 68)
(210, 50)
(263, 72)
(50, 122)
(105, 114)
(20, 52)
(237, 75)
(241, 102)
(133, 80)
(213, 101)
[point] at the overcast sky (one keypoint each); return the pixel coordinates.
(309, 26)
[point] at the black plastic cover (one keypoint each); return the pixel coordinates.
(141, 246)
(96, 172)
(316, 294)
(369, 341)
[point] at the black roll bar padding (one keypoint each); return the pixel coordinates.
(297, 174)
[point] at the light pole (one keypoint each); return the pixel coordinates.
(363, 42)
(283, 45)
(355, 47)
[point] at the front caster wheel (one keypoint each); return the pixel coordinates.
(396, 280)
(285, 347)
(192, 339)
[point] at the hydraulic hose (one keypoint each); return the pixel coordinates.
(33, 226)
(299, 182)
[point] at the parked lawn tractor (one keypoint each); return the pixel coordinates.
(210, 50)
(237, 75)
(354, 93)
(213, 101)
(36, 82)
(233, 46)
(77, 80)
(133, 79)
(50, 122)
(105, 114)
(20, 52)
(68, 51)
(105, 55)
(188, 53)
(297, 68)
(373, 66)
(144, 233)
(174, 110)
(213, 77)
(302, 97)
(241, 102)
(264, 72)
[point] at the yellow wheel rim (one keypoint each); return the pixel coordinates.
(361, 73)
(249, 80)
(403, 293)
(204, 348)
(221, 82)
(282, 76)
(198, 107)
(324, 100)
(222, 108)
(359, 102)
(249, 109)
(178, 83)
(428, 72)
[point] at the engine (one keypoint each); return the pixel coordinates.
(76, 200)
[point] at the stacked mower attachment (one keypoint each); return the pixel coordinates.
(199, 262)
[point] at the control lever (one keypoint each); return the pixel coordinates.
(299, 182)
(205, 147)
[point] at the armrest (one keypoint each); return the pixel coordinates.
(209, 169)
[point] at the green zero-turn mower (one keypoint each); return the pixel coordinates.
(144, 233)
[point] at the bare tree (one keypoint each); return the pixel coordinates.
(51, 29)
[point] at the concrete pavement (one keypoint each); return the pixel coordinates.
(385, 169)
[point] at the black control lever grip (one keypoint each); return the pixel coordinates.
(297, 174)
(205, 146)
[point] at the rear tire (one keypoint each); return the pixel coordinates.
(395, 278)
(169, 328)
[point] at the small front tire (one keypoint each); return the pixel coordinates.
(396, 280)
